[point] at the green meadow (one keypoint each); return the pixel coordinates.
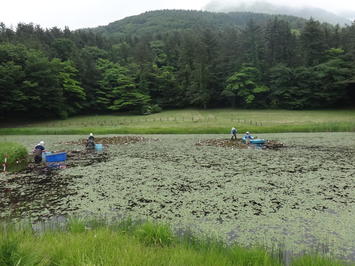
(191, 121)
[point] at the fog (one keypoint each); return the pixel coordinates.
(83, 13)
(90, 13)
(338, 6)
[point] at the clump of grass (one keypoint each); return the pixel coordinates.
(11, 251)
(154, 234)
(16, 155)
(315, 260)
(75, 225)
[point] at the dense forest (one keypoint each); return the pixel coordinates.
(176, 59)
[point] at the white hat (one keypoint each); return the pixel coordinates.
(41, 142)
(91, 134)
(247, 132)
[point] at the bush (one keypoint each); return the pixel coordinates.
(63, 114)
(150, 109)
(16, 155)
(156, 109)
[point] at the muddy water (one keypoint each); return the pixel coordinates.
(301, 197)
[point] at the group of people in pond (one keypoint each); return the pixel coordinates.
(247, 137)
(90, 144)
(39, 148)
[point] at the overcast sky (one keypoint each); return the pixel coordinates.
(90, 13)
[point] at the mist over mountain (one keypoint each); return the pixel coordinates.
(343, 18)
(348, 14)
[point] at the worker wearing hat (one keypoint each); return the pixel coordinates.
(247, 137)
(38, 151)
(91, 136)
(90, 143)
(234, 132)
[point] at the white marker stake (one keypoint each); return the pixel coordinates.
(5, 161)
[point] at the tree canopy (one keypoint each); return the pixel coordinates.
(176, 59)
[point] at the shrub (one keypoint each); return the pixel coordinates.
(63, 115)
(156, 109)
(16, 155)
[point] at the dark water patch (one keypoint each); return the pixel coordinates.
(40, 192)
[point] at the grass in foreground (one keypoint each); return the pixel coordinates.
(127, 243)
(217, 121)
(16, 155)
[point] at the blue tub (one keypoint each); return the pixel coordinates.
(57, 157)
(257, 141)
(99, 147)
(44, 154)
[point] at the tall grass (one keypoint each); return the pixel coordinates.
(127, 243)
(16, 155)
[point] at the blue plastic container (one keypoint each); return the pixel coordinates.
(44, 154)
(57, 157)
(257, 141)
(244, 140)
(99, 147)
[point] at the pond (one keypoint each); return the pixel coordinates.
(299, 197)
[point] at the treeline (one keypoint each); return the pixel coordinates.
(54, 72)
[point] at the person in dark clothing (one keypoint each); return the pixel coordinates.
(39, 149)
(234, 132)
(90, 142)
(91, 137)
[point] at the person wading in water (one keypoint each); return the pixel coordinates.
(90, 143)
(39, 149)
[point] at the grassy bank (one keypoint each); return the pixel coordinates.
(16, 155)
(127, 243)
(195, 122)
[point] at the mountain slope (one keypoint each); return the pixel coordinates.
(269, 8)
(162, 21)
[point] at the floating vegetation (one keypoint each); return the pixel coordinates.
(225, 143)
(301, 197)
(116, 140)
(36, 191)
(238, 144)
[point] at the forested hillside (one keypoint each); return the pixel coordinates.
(175, 59)
(164, 21)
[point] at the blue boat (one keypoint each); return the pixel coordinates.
(257, 141)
